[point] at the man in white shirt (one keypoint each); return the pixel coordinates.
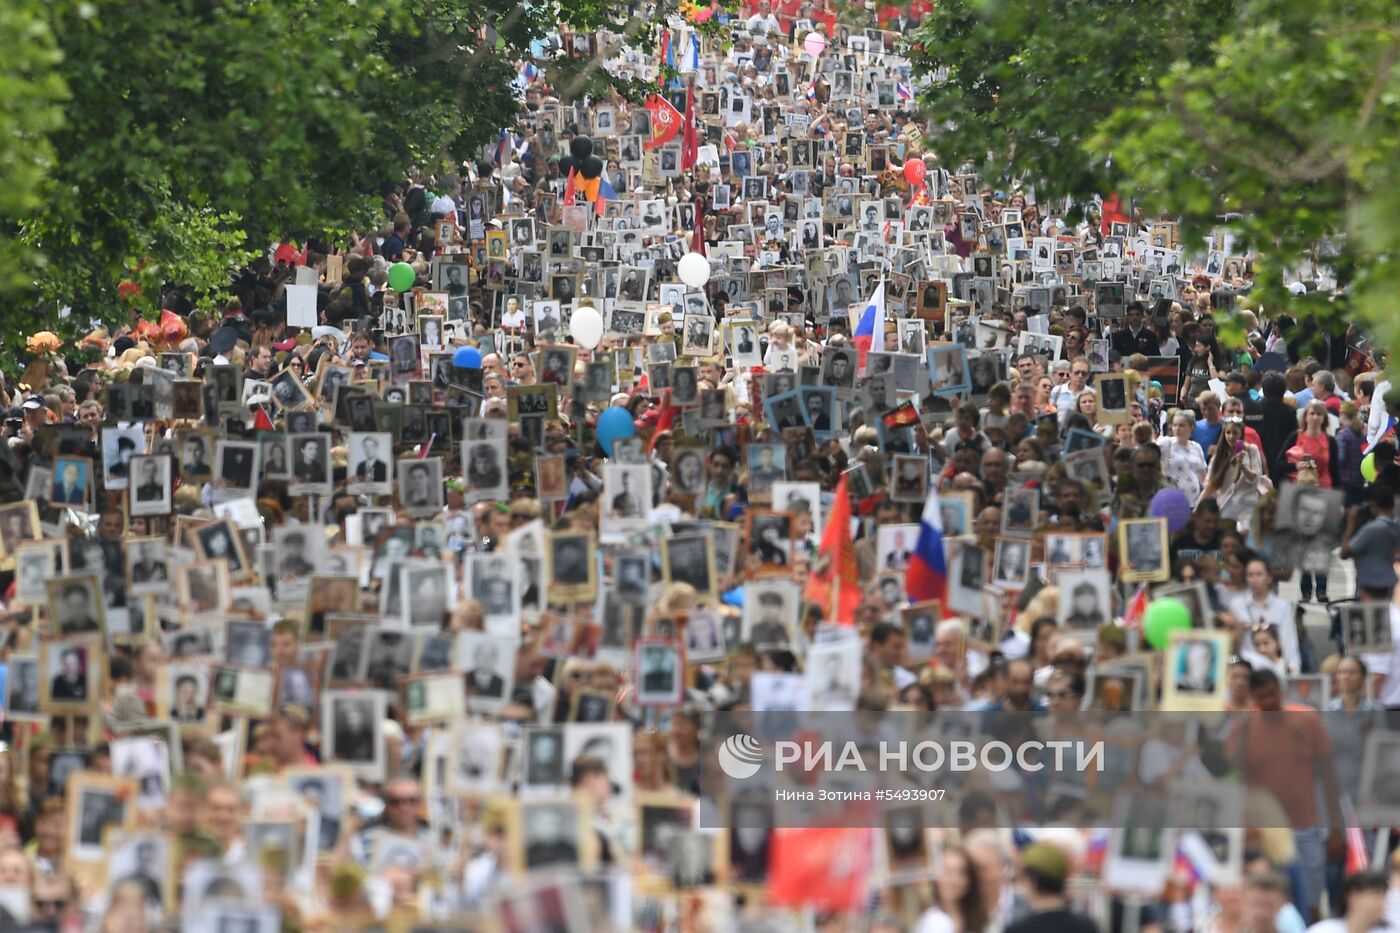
(1066, 394)
(1261, 606)
(763, 22)
(1380, 413)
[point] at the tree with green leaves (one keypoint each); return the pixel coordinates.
(1022, 86)
(1276, 119)
(165, 143)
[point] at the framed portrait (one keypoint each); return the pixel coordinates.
(949, 370)
(147, 858)
(22, 690)
(1366, 627)
(149, 492)
(489, 664)
(1021, 513)
(119, 445)
(1379, 792)
(76, 606)
(434, 698)
(572, 570)
(182, 693)
(97, 803)
(1085, 603)
(35, 564)
(350, 727)
(1011, 564)
(311, 464)
(242, 691)
(1143, 544)
(770, 614)
(72, 483)
(660, 666)
(70, 675)
(420, 491)
(1115, 399)
(627, 500)
(1194, 678)
(494, 580)
(1140, 854)
(221, 540)
(770, 538)
(203, 588)
(550, 833)
(690, 558)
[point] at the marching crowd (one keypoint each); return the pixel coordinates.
(398, 588)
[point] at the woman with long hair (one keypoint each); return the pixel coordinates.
(1310, 456)
(1233, 477)
(961, 906)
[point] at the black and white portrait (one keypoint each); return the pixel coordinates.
(149, 493)
(659, 673)
(371, 468)
(311, 464)
(420, 486)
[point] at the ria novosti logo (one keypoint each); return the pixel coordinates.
(740, 756)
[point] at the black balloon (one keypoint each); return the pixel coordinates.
(565, 163)
(580, 147)
(592, 167)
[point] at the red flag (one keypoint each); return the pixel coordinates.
(569, 190)
(1137, 608)
(689, 142)
(825, 868)
(697, 240)
(668, 416)
(836, 586)
(1358, 859)
(662, 55)
(665, 121)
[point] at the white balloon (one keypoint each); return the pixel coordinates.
(694, 270)
(586, 327)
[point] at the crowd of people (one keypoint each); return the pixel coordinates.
(399, 586)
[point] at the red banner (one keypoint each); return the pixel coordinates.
(665, 121)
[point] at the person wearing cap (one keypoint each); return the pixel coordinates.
(1044, 871)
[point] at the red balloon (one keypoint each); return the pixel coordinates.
(914, 171)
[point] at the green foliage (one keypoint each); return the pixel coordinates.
(1284, 114)
(197, 132)
(31, 93)
(1294, 124)
(1027, 83)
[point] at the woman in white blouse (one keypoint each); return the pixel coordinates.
(1183, 461)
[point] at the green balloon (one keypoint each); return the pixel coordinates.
(402, 277)
(1368, 467)
(1163, 617)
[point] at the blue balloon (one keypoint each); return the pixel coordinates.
(467, 358)
(614, 424)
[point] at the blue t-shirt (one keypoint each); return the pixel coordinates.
(1206, 434)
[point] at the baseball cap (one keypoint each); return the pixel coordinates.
(1046, 860)
(32, 404)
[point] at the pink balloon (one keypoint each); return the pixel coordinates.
(914, 171)
(814, 44)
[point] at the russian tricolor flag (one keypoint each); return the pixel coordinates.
(870, 331)
(1387, 434)
(926, 577)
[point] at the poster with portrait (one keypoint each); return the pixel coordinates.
(1194, 675)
